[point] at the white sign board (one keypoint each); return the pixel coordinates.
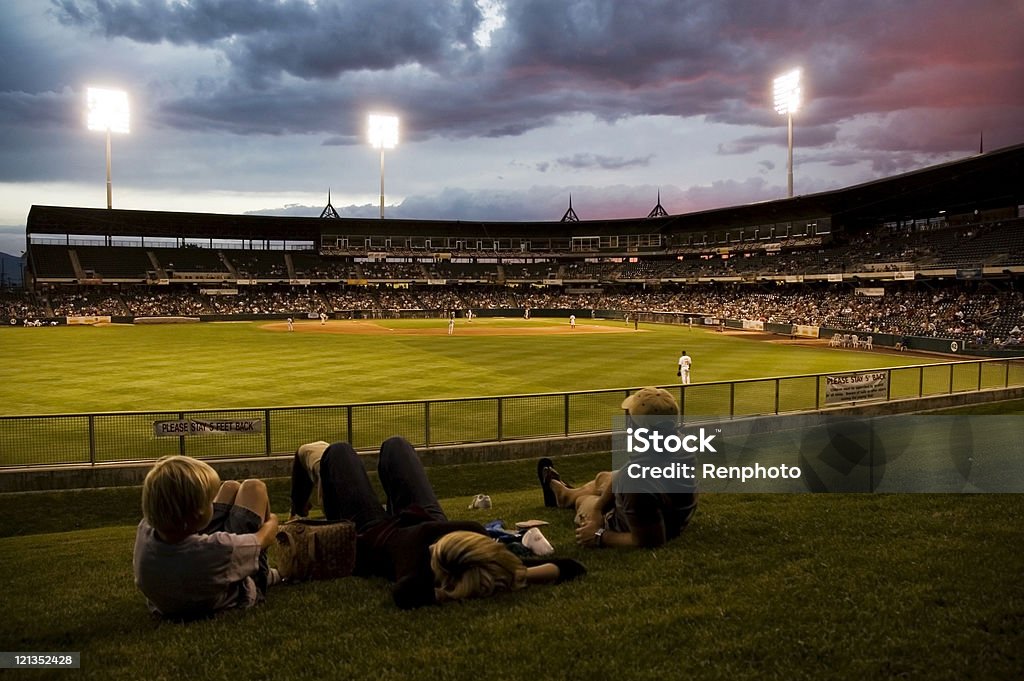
(197, 427)
(869, 385)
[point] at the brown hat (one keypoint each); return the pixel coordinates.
(651, 402)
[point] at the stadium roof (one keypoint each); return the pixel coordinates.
(118, 222)
(980, 182)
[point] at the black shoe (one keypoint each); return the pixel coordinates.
(545, 473)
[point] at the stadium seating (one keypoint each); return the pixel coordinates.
(114, 264)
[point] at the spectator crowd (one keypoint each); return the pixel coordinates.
(983, 318)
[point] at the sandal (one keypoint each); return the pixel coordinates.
(545, 473)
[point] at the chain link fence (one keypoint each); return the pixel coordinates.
(84, 439)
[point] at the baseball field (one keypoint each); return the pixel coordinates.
(845, 586)
(249, 364)
(221, 372)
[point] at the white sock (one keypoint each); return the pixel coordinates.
(537, 542)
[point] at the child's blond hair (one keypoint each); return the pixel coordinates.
(177, 491)
(471, 565)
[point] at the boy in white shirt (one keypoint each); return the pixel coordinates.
(201, 545)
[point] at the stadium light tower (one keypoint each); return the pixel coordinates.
(107, 110)
(383, 134)
(787, 102)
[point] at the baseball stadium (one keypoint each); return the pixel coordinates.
(488, 345)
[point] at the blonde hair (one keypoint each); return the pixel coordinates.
(177, 491)
(471, 565)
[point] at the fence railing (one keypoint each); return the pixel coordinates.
(69, 439)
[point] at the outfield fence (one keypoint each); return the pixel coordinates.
(77, 439)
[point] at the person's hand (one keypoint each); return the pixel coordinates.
(265, 535)
(585, 532)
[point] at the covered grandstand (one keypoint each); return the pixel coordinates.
(943, 234)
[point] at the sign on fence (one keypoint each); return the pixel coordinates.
(197, 427)
(869, 385)
(87, 320)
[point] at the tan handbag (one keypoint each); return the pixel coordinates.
(316, 549)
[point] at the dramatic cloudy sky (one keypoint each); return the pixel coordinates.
(507, 106)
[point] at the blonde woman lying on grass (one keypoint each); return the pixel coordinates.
(410, 540)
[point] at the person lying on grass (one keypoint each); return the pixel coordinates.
(410, 540)
(610, 512)
(201, 545)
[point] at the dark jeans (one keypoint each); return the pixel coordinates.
(348, 494)
(238, 520)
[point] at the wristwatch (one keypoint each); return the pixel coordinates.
(599, 537)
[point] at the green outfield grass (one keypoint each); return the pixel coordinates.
(759, 587)
(245, 367)
(214, 366)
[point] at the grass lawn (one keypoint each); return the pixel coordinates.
(759, 587)
(234, 365)
(162, 369)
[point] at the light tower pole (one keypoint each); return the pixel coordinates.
(787, 102)
(383, 134)
(107, 110)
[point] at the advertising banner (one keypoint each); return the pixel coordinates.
(805, 331)
(87, 320)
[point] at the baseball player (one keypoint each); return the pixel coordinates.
(684, 367)
(451, 325)
(572, 321)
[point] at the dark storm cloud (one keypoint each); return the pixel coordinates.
(816, 136)
(881, 162)
(340, 141)
(291, 66)
(41, 109)
(585, 161)
(265, 38)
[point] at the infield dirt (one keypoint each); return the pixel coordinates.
(371, 328)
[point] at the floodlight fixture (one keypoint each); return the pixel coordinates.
(787, 92)
(107, 111)
(383, 134)
(383, 131)
(787, 102)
